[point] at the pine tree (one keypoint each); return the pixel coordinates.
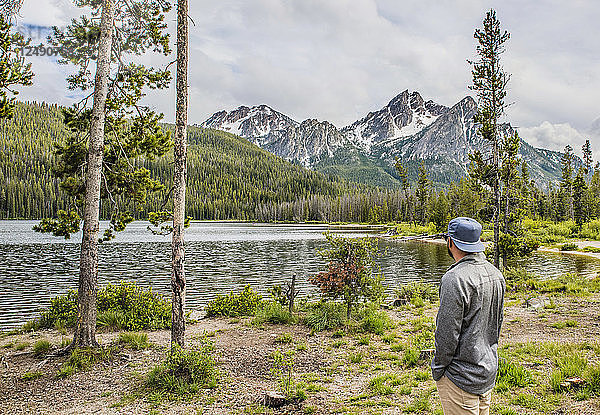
(489, 83)
(566, 183)
(403, 175)
(579, 199)
(13, 69)
(118, 129)
(179, 179)
(586, 149)
(422, 193)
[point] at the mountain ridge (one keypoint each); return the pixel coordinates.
(408, 128)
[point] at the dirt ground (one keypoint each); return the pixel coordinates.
(115, 386)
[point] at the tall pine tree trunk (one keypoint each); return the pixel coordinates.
(178, 251)
(85, 331)
(497, 201)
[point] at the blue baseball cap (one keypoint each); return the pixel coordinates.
(465, 233)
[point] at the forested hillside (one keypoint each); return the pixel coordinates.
(228, 177)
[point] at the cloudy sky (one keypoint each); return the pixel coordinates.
(337, 60)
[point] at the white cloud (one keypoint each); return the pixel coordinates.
(557, 136)
(339, 59)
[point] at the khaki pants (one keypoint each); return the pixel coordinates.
(456, 401)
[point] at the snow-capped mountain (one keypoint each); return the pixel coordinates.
(279, 133)
(407, 128)
(405, 115)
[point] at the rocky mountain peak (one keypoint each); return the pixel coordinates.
(408, 127)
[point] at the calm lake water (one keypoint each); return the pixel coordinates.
(220, 257)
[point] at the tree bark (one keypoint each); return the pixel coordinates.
(85, 330)
(179, 180)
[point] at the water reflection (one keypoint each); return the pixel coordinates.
(219, 257)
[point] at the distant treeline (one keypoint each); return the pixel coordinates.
(230, 178)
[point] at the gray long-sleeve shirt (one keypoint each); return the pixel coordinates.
(468, 324)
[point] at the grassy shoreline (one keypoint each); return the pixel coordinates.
(351, 371)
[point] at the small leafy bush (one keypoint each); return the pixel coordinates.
(351, 273)
(417, 290)
(514, 246)
(112, 320)
(274, 313)
(371, 320)
(518, 279)
(569, 246)
(120, 306)
(185, 371)
(283, 370)
(246, 303)
(325, 315)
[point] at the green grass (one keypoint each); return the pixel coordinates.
(274, 313)
(21, 346)
(134, 340)
(41, 347)
(83, 359)
(355, 357)
(383, 385)
(284, 338)
(111, 320)
(185, 371)
(569, 246)
(31, 375)
(421, 404)
(512, 375)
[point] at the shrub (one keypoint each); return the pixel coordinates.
(518, 279)
(375, 321)
(112, 320)
(324, 315)
(185, 371)
(63, 308)
(412, 291)
(514, 246)
(283, 370)
(350, 274)
(591, 230)
(120, 306)
(246, 303)
(569, 246)
(135, 341)
(41, 347)
(274, 313)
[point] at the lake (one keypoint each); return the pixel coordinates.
(220, 257)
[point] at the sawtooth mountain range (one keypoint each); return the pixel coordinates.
(408, 128)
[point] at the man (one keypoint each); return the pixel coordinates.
(468, 323)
